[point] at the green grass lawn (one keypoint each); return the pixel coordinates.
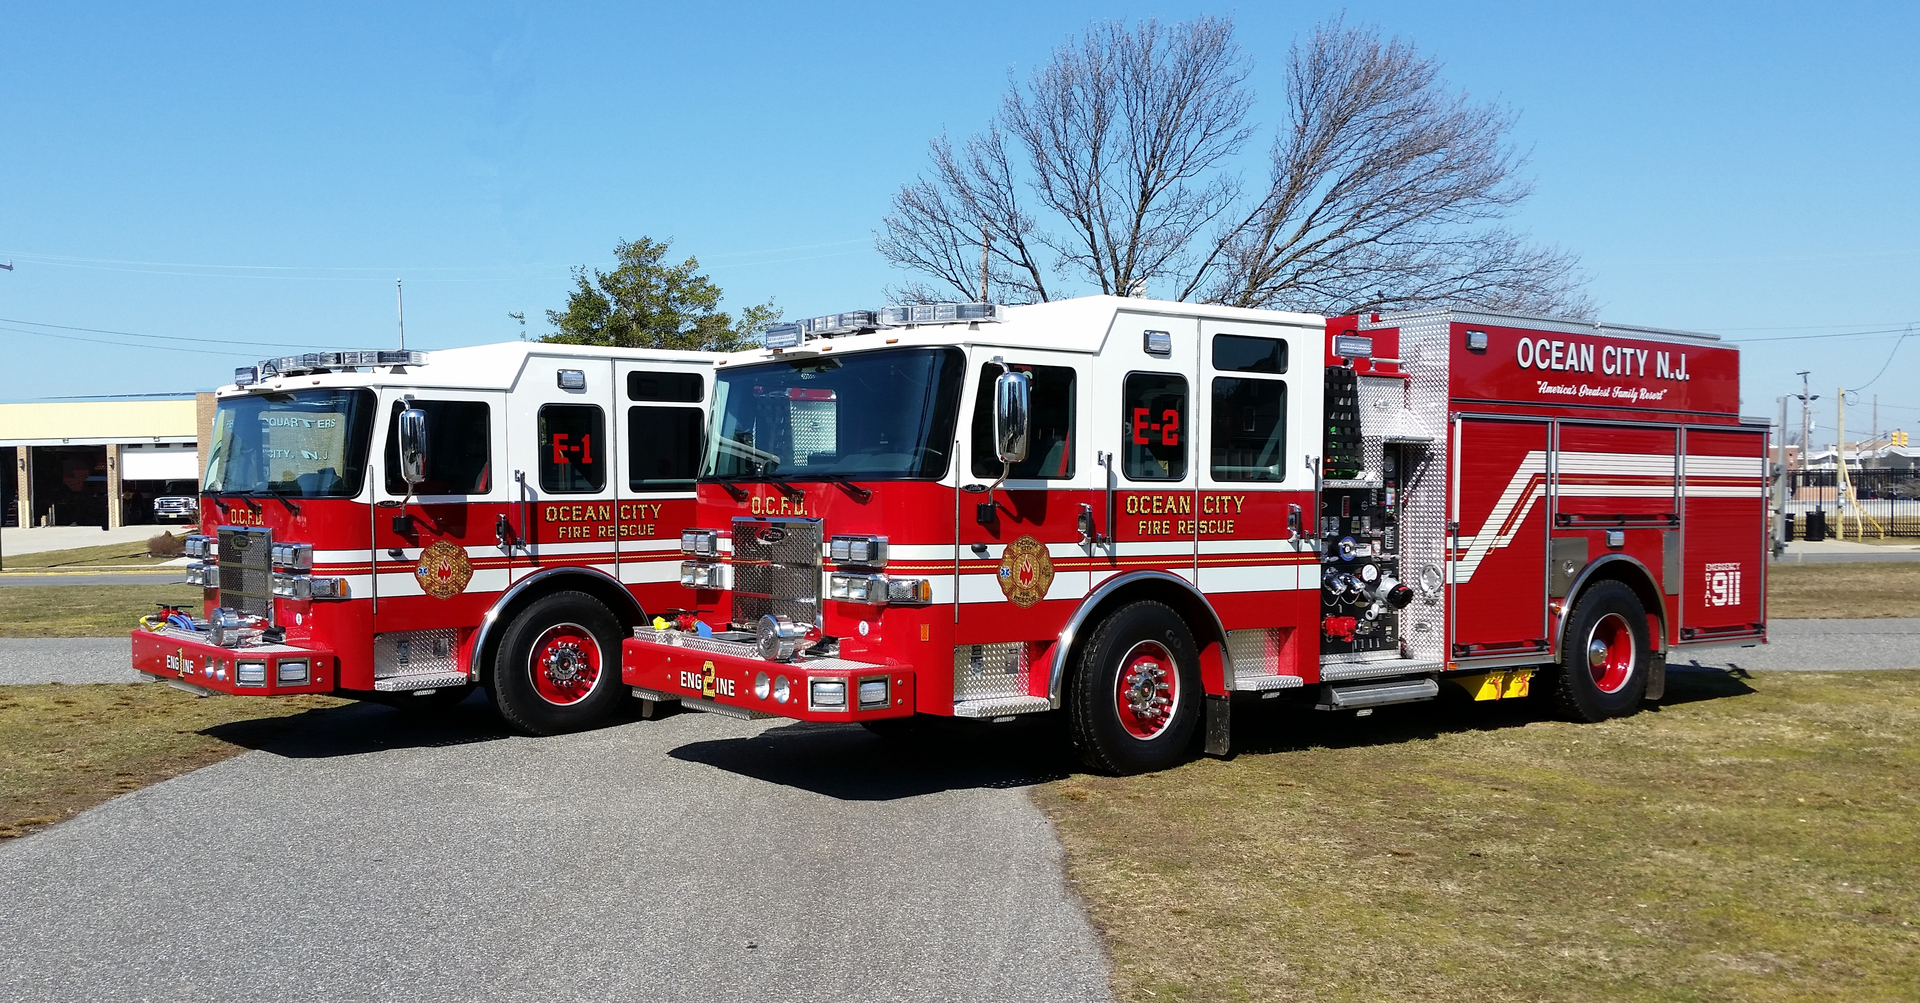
(132, 554)
(64, 749)
(86, 610)
(1755, 840)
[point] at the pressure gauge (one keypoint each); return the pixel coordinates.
(1369, 574)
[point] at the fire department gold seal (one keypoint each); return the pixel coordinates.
(1026, 572)
(443, 570)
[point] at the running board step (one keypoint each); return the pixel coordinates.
(995, 707)
(1377, 694)
(1261, 684)
(424, 681)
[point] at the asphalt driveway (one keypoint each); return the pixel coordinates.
(688, 858)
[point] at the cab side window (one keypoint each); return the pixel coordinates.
(663, 442)
(1154, 433)
(663, 448)
(1050, 432)
(1249, 412)
(458, 437)
(572, 448)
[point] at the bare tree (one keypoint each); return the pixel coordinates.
(1119, 134)
(1384, 189)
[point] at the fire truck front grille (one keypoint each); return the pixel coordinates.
(246, 570)
(776, 569)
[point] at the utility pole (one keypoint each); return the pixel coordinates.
(1806, 398)
(400, 301)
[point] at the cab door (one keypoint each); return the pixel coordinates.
(1258, 424)
(439, 563)
(1021, 560)
(562, 454)
(662, 416)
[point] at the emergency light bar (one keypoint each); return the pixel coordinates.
(855, 321)
(312, 362)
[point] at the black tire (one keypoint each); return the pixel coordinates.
(1127, 644)
(1604, 655)
(539, 681)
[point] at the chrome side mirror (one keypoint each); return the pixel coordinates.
(413, 446)
(1012, 409)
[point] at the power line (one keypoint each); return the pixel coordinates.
(236, 353)
(160, 337)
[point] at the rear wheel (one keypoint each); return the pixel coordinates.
(1604, 655)
(1136, 694)
(558, 666)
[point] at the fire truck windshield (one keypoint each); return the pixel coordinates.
(307, 444)
(870, 416)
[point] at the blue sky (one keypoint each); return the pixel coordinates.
(235, 174)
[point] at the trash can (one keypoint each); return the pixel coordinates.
(1816, 526)
(1787, 521)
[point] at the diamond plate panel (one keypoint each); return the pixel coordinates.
(1253, 653)
(989, 671)
(1422, 413)
(246, 570)
(415, 653)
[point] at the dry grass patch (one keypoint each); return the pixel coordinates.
(130, 554)
(1740, 843)
(64, 749)
(85, 610)
(1849, 591)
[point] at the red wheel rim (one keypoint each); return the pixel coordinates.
(1147, 690)
(565, 664)
(1610, 653)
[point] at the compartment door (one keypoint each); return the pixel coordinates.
(1723, 530)
(1498, 558)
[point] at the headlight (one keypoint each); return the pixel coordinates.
(203, 575)
(250, 673)
(867, 551)
(762, 686)
(828, 694)
(782, 690)
(699, 575)
(878, 590)
(292, 673)
(293, 556)
(700, 542)
(196, 545)
(873, 693)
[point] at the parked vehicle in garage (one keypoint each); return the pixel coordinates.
(178, 501)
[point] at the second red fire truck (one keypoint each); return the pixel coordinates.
(1134, 511)
(1128, 510)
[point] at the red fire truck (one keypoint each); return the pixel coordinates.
(1136, 511)
(402, 526)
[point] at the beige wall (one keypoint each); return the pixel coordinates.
(126, 421)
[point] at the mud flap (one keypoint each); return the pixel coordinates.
(1219, 725)
(1656, 678)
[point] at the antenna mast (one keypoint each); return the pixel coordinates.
(400, 302)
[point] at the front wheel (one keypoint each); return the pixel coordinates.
(1604, 655)
(558, 666)
(1136, 694)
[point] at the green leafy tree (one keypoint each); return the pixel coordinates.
(644, 302)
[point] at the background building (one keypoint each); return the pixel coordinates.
(99, 462)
